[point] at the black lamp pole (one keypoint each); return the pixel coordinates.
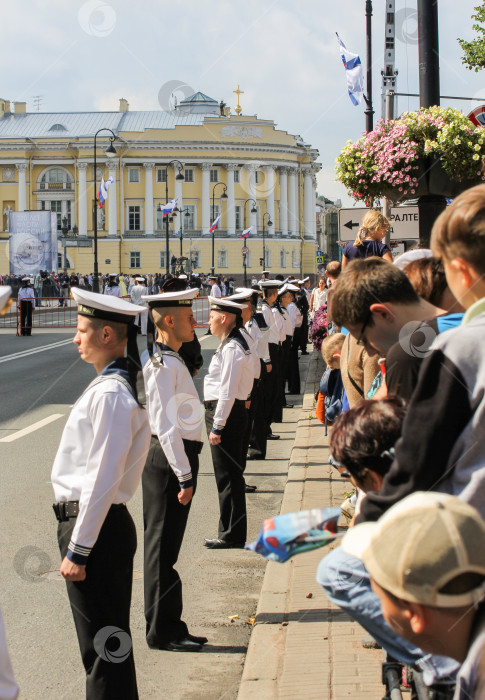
(223, 196)
(369, 112)
(179, 176)
(110, 152)
(270, 223)
(254, 210)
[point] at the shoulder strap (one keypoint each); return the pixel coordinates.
(104, 377)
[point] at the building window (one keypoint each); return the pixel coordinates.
(256, 177)
(133, 174)
(295, 260)
(135, 259)
(248, 259)
(222, 258)
(215, 213)
(189, 175)
(189, 221)
(163, 260)
(161, 174)
(237, 176)
(195, 259)
(56, 179)
(214, 175)
(282, 257)
(134, 217)
(239, 219)
(267, 263)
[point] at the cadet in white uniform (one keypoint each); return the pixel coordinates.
(26, 302)
(112, 287)
(293, 375)
(170, 475)
(9, 689)
(97, 469)
(138, 290)
(272, 399)
(227, 388)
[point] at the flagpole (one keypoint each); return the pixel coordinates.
(179, 176)
(110, 152)
(223, 196)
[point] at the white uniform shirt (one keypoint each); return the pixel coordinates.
(230, 377)
(274, 331)
(173, 407)
(136, 293)
(295, 315)
(215, 291)
(113, 291)
(260, 337)
(287, 323)
(101, 457)
(280, 323)
(254, 357)
(27, 293)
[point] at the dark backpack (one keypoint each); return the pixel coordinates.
(332, 388)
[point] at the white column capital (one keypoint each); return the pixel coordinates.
(292, 170)
(269, 167)
(82, 166)
(252, 167)
(206, 166)
(148, 166)
(230, 166)
(283, 169)
(21, 167)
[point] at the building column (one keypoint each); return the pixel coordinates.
(252, 194)
(314, 200)
(269, 187)
(179, 197)
(22, 192)
(112, 225)
(206, 218)
(292, 201)
(308, 203)
(231, 203)
(82, 211)
(148, 198)
(284, 201)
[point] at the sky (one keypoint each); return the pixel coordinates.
(83, 55)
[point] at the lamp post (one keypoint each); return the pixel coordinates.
(64, 229)
(223, 196)
(110, 153)
(270, 223)
(179, 176)
(254, 210)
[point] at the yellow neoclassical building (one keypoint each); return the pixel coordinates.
(239, 167)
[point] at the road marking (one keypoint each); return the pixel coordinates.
(32, 428)
(33, 351)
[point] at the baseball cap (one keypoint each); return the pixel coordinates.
(421, 544)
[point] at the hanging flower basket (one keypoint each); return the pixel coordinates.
(318, 327)
(432, 151)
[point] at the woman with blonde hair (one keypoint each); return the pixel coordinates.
(369, 239)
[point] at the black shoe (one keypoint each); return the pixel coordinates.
(197, 640)
(272, 436)
(287, 405)
(305, 352)
(249, 488)
(185, 644)
(217, 543)
(250, 456)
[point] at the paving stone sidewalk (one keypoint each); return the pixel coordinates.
(302, 646)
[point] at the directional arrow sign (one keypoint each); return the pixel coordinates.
(404, 223)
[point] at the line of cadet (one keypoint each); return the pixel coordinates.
(115, 437)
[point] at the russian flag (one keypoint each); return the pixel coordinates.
(246, 233)
(168, 208)
(103, 190)
(354, 71)
(214, 224)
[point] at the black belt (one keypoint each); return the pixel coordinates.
(196, 443)
(65, 510)
(211, 405)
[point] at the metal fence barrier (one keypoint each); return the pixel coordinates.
(61, 312)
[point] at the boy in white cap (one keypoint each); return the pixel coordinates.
(426, 559)
(113, 287)
(97, 469)
(227, 388)
(170, 475)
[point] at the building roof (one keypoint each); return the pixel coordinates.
(198, 97)
(86, 124)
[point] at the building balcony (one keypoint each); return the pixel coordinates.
(56, 186)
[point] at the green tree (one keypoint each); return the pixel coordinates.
(474, 51)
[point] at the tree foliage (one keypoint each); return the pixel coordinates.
(474, 51)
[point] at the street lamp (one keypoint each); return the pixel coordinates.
(223, 196)
(179, 176)
(254, 210)
(270, 223)
(64, 229)
(110, 153)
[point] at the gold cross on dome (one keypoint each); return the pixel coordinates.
(238, 92)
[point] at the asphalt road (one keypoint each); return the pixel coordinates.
(40, 378)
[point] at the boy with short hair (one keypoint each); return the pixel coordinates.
(431, 586)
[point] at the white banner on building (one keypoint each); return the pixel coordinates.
(32, 242)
